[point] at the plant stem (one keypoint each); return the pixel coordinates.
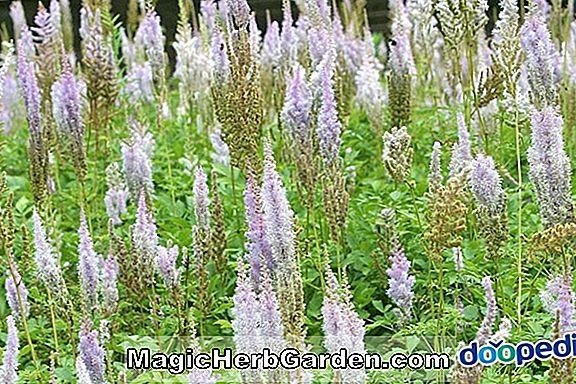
(519, 218)
(53, 320)
(24, 320)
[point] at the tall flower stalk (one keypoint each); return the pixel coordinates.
(343, 328)
(67, 115)
(550, 169)
(37, 145)
(279, 223)
(490, 197)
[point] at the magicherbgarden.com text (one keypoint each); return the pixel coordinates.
(289, 358)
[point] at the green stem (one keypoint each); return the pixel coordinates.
(53, 320)
(23, 317)
(519, 218)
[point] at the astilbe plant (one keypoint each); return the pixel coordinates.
(270, 60)
(543, 62)
(139, 85)
(329, 127)
(296, 119)
(447, 218)
(461, 150)
(88, 266)
(397, 153)
(218, 237)
(400, 282)
(9, 370)
(48, 47)
(279, 223)
(460, 25)
(336, 199)
(550, 170)
(558, 300)
(435, 177)
(99, 68)
(47, 265)
(370, 94)
(91, 353)
(486, 186)
(10, 98)
(82, 374)
(137, 162)
(462, 375)
(166, 266)
(109, 286)
(144, 244)
(238, 99)
(401, 66)
(16, 293)
(343, 328)
(246, 321)
(18, 18)
(116, 195)
(553, 240)
(193, 69)
(150, 39)
(221, 154)
(202, 237)
(505, 45)
(328, 131)
(37, 145)
(258, 251)
(67, 113)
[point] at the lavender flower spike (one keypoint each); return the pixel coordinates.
(150, 39)
(246, 314)
(558, 298)
(144, 240)
(116, 195)
(88, 265)
(166, 266)
(566, 305)
(257, 245)
(543, 61)
(486, 184)
(201, 200)
(9, 372)
(66, 106)
(370, 94)
(329, 126)
(49, 272)
(18, 17)
(278, 216)
(435, 177)
(343, 328)
(485, 330)
(400, 283)
(271, 328)
(16, 292)
(462, 150)
(137, 161)
(109, 278)
(91, 353)
(550, 169)
(32, 100)
(82, 374)
(296, 114)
